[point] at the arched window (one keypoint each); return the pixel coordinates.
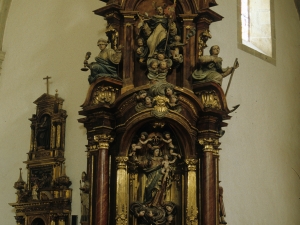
(256, 28)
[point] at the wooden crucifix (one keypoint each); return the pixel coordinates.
(47, 78)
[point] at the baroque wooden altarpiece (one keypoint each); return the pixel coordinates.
(153, 128)
(154, 113)
(45, 197)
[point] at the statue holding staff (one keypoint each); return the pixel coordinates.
(211, 68)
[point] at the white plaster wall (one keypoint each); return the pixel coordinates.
(44, 38)
(261, 144)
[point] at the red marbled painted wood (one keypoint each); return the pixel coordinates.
(102, 193)
(209, 187)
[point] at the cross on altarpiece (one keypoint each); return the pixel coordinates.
(47, 78)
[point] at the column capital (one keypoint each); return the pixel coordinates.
(121, 162)
(104, 140)
(191, 164)
(210, 144)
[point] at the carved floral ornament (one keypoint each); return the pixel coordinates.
(209, 99)
(104, 94)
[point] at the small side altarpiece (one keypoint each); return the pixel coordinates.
(45, 197)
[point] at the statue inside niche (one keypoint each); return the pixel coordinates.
(34, 192)
(84, 193)
(159, 33)
(156, 28)
(211, 68)
(106, 62)
(43, 132)
(156, 159)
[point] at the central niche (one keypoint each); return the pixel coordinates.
(38, 221)
(156, 172)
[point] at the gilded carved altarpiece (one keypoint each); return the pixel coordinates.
(153, 129)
